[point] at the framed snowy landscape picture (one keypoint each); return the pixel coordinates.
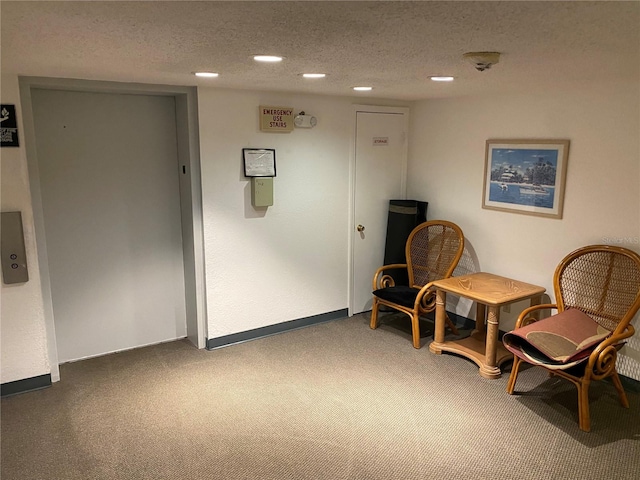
(525, 176)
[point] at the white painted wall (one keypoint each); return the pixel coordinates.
(24, 351)
(262, 266)
(602, 196)
(288, 261)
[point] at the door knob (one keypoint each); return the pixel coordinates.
(360, 228)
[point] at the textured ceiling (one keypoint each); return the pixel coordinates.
(392, 46)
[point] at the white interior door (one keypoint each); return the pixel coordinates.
(380, 171)
(111, 206)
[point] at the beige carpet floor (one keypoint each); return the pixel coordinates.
(334, 401)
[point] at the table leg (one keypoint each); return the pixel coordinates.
(480, 317)
(438, 334)
(489, 369)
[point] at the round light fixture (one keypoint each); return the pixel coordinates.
(442, 79)
(267, 58)
(206, 74)
(362, 89)
(314, 75)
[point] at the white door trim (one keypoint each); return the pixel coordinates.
(352, 181)
(188, 146)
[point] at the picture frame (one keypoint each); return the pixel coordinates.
(259, 162)
(525, 176)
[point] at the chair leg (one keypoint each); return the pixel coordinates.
(583, 407)
(451, 325)
(415, 329)
(511, 384)
(373, 323)
(623, 396)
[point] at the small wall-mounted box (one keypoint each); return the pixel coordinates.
(262, 191)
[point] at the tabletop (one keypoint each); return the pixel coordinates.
(488, 288)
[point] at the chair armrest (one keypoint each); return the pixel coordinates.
(429, 303)
(382, 281)
(602, 360)
(525, 317)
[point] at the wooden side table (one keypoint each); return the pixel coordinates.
(489, 290)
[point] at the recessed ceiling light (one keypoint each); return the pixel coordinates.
(206, 74)
(362, 89)
(314, 75)
(442, 79)
(267, 58)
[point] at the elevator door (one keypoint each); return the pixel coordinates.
(108, 175)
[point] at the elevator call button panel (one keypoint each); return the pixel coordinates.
(14, 258)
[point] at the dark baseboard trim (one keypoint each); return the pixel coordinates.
(213, 343)
(25, 385)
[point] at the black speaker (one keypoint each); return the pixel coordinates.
(404, 216)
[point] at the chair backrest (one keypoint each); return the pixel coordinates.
(433, 250)
(601, 280)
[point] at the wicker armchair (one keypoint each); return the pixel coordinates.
(433, 250)
(603, 282)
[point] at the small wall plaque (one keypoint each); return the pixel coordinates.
(276, 119)
(8, 126)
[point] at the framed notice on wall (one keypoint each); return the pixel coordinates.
(259, 162)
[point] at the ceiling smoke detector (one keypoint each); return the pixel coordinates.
(482, 60)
